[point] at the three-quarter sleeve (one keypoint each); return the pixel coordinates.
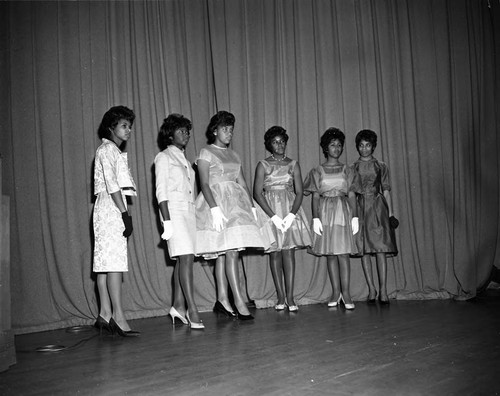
(162, 169)
(108, 159)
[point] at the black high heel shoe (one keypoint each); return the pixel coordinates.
(219, 308)
(117, 329)
(102, 324)
(373, 300)
(384, 302)
(243, 317)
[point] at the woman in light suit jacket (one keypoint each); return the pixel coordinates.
(175, 192)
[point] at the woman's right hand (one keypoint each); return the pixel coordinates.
(218, 218)
(317, 226)
(168, 230)
(127, 222)
(278, 222)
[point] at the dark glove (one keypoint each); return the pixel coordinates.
(127, 222)
(394, 223)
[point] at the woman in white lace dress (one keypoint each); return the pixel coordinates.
(112, 222)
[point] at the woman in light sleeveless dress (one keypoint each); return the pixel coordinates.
(278, 190)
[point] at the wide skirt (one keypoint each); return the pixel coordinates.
(337, 238)
(240, 231)
(299, 233)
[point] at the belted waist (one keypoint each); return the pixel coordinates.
(277, 187)
(333, 194)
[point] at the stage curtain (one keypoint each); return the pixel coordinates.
(422, 74)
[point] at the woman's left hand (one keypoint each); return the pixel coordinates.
(254, 211)
(287, 221)
(355, 225)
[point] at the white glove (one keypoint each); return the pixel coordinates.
(355, 225)
(317, 226)
(168, 230)
(287, 221)
(218, 218)
(278, 222)
(254, 211)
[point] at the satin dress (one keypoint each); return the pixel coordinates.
(278, 189)
(375, 233)
(241, 230)
(333, 185)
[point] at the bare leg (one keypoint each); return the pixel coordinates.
(382, 276)
(222, 285)
(179, 302)
(106, 311)
(332, 264)
(289, 271)
(186, 281)
(233, 276)
(345, 277)
(115, 293)
(367, 269)
(276, 261)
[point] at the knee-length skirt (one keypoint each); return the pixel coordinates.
(110, 246)
(183, 217)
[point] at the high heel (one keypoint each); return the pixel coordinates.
(293, 308)
(373, 300)
(195, 325)
(349, 306)
(335, 303)
(280, 307)
(219, 308)
(117, 329)
(384, 302)
(175, 314)
(243, 317)
(102, 324)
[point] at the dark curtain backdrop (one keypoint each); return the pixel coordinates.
(424, 74)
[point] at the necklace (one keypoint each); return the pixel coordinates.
(276, 159)
(220, 148)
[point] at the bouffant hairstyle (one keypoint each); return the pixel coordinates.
(368, 136)
(221, 118)
(271, 133)
(329, 135)
(111, 119)
(171, 124)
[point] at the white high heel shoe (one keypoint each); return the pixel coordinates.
(349, 306)
(175, 314)
(335, 303)
(195, 325)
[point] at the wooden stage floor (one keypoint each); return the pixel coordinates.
(434, 347)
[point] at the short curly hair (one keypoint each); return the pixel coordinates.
(273, 132)
(171, 124)
(112, 117)
(221, 118)
(368, 136)
(329, 135)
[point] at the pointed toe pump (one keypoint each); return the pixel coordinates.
(118, 330)
(219, 308)
(102, 324)
(195, 325)
(175, 314)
